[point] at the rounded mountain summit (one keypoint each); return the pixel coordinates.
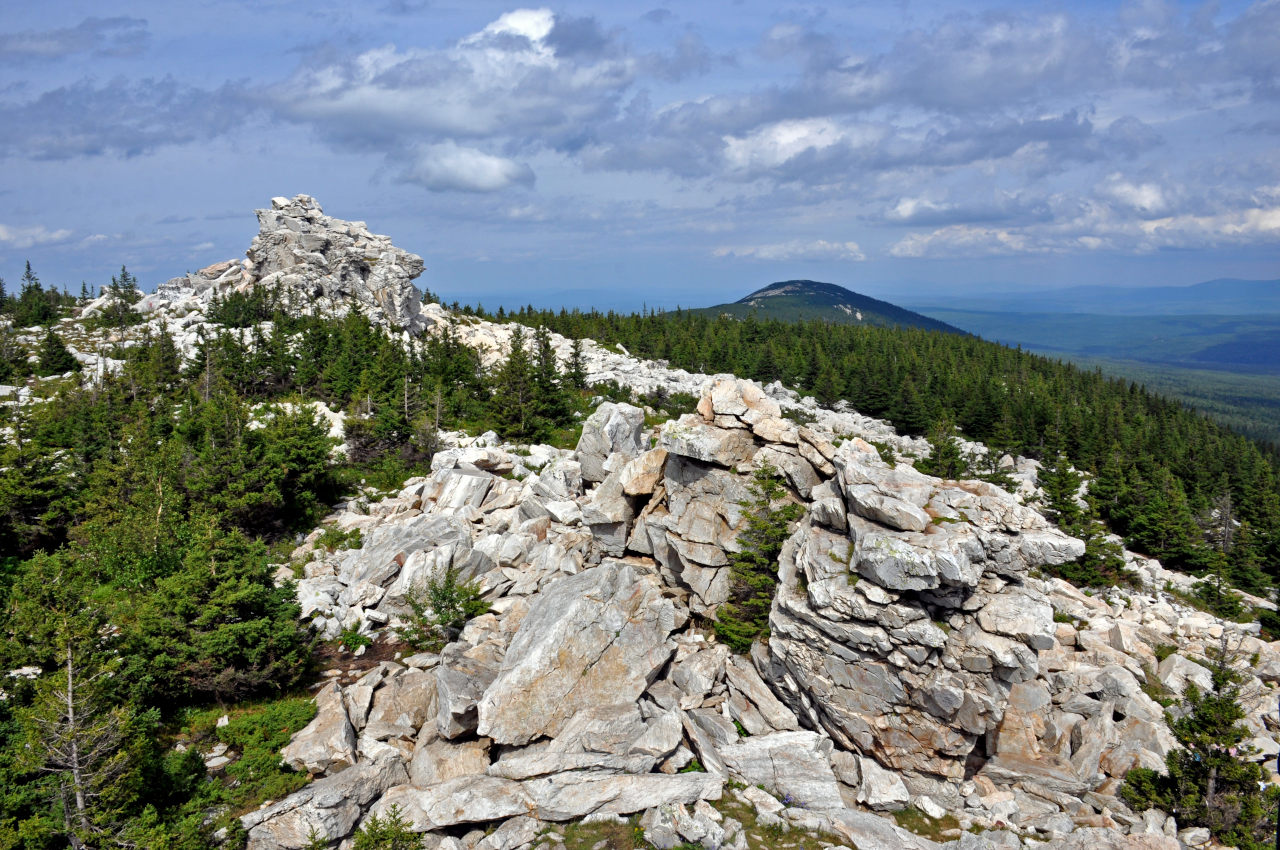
(804, 300)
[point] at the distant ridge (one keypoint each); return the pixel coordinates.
(1219, 297)
(802, 300)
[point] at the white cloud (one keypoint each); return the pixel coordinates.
(962, 240)
(448, 166)
(26, 237)
(797, 249)
(505, 81)
(773, 145)
(1145, 198)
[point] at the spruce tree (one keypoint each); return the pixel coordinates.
(768, 515)
(1210, 780)
(55, 358)
(515, 394)
(945, 460)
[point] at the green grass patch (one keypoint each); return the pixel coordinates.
(940, 829)
(256, 732)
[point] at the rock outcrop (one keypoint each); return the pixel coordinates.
(312, 264)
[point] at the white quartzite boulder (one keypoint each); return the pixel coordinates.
(593, 639)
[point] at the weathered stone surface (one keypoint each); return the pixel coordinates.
(1021, 616)
(867, 501)
(466, 799)
(641, 475)
(461, 679)
(515, 833)
(1016, 742)
(328, 266)
(869, 832)
(328, 743)
(1177, 671)
(402, 705)
(590, 639)
(612, 428)
(580, 793)
(439, 761)
(879, 788)
(690, 437)
(752, 703)
(600, 738)
(1108, 839)
(793, 765)
(330, 806)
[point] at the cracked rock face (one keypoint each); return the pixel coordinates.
(593, 639)
(314, 264)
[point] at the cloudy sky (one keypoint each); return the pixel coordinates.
(629, 153)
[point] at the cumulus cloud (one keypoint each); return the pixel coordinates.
(797, 249)
(26, 237)
(523, 78)
(448, 166)
(121, 36)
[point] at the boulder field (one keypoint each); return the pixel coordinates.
(917, 654)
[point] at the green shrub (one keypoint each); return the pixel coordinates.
(390, 831)
(352, 640)
(335, 538)
(440, 610)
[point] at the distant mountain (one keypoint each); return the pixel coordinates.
(798, 300)
(1221, 297)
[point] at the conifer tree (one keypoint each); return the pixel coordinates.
(768, 516)
(577, 374)
(1210, 780)
(945, 460)
(514, 392)
(55, 358)
(1061, 485)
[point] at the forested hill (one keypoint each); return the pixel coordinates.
(1163, 473)
(800, 300)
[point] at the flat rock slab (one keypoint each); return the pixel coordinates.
(596, 638)
(794, 765)
(329, 806)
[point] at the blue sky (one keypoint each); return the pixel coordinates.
(630, 153)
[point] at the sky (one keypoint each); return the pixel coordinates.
(625, 154)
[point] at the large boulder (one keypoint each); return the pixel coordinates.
(596, 638)
(794, 765)
(329, 807)
(328, 743)
(612, 429)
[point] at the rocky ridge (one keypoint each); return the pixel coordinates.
(917, 656)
